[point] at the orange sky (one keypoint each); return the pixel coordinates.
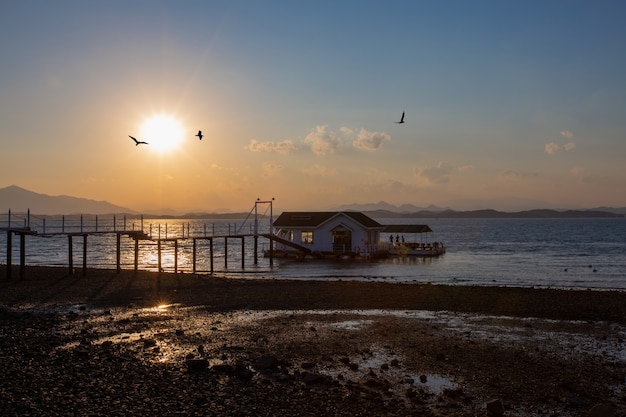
(508, 106)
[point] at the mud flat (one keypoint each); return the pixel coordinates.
(138, 343)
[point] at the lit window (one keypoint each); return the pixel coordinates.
(307, 237)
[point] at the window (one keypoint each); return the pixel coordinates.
(307, 237)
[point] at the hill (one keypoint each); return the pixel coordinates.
(18, 200)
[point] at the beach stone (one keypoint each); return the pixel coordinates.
(243, 372)
(147, 343)
(495, 408)
(602, 410)
(312, 378)
(197, 364)
(266, 362)
(223, 368)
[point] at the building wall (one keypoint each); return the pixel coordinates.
(322, 237)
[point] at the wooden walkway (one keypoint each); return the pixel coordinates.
(22, 228)
(137, 237)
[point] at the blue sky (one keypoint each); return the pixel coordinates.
(509, 105)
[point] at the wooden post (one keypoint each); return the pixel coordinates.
(9, 251)
(136, 253)
(271, 251)
(176, 256)
(22, 255)
(211, 252)
(118, 254)
(84, 254)
(70, 256)
(193, 261)
(226, 251)
(243, 252)
(159, 254)
(256, 249)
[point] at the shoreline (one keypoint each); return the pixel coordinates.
(107, 288)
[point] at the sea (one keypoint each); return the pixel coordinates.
(578, 253)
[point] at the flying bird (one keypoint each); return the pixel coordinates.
(199, 135)
(401, 119)
(137, 142)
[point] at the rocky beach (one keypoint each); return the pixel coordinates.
(107, 343)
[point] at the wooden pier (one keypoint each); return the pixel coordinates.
(22, 227)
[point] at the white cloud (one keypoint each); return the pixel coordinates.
(569, 146)
(322, 141)
(270, 169)
(553, 148)
(370, 140)
(320, 170)
(567, 134)
(284, 147)
(439, 174)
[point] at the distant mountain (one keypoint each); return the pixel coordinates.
(616, 210)
(382, 205)
(491, 214)
(18, 200)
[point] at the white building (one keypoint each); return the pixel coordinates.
(338, 233)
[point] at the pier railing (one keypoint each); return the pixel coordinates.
(134, 227)
(47, 225)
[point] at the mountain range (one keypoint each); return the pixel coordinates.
(18, 199)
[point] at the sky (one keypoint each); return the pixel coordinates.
(508, 104)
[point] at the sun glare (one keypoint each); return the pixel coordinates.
(163, 133)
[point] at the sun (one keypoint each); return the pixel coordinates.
(162, 132)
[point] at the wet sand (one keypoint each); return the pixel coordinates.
(97, 344)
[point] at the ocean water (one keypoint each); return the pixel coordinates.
(562, 253)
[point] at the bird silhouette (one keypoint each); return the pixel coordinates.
(401, 119)
(199, 135)
(137, 142)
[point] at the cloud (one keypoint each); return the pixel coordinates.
(269, 169)
(439, 174)
(320, 171)
(517, 175)
(553, 148)
(567, 134)
(284, 147)
(370, 140)
(322, 141)
(569, 146)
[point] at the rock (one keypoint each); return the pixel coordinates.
(197, 364)
(308, 365)
(423, 379)
(266, 362)
(315, 378)
(223, 368)
(148, 343)
(81, 353)
(180, 332)
(243, 372)
(495, 408)
(602, 410)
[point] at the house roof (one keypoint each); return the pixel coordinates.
(315, 218)
(407, 228)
